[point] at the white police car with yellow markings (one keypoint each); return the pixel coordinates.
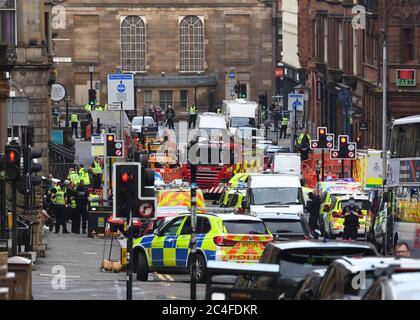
(220, 237)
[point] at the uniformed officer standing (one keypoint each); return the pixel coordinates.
(352, 214)
(284, 124)
(72, 210)
(192, 110)
(84, 175)
(81, 201)
(60, 210)
(74, 124)
(73, 176)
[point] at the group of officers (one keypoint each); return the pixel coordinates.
(74, 118)
(69, 200)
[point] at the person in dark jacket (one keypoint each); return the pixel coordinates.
(352, 214)
(82, 203)
(313, 209)
(170, 115)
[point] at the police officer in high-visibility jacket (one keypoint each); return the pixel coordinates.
(84, 175)
(74, 124)
(73, 176)
(192, 110)
(72, 209)
(88, 107)
(283, 128)
(96, 170)
(99, 108)
(59, 200)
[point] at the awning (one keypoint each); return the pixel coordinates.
(142, 81)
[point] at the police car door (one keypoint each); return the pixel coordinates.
(163, 245)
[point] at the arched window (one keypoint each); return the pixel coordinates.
(191, 44)
(133, 44)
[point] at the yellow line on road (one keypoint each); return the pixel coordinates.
(170, 278)
(160, 276)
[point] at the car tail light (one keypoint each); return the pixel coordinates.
(221, 241)
(336, 214)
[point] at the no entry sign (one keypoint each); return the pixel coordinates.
(147, 210)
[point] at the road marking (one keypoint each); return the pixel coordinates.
(90, 253)
(170, 278)
(54, 275)
(159, 276)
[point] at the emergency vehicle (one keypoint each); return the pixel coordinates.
(220, 237)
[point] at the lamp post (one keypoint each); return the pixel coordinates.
(67, 100)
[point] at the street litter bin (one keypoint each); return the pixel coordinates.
(24, 236)
(97, 219)
(83, 125)
(22, 268)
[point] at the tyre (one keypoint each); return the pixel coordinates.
(142, 268)
(201, 267)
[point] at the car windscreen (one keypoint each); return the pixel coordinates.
(245, 227)
(242, 122)
(277, 226)
(362, 204)
(139, 121)
(279, 196)
(297, 263)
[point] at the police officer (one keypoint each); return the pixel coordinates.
(88, 108)
(74, 124)
(313, 209)
(72, 209)
(60, 210)
(352, 214)
(81, 202)
(84, 175)
(192, 110)
(99, 108)
(284, 124)
(51, 201)
(303, 144)
(73, 176)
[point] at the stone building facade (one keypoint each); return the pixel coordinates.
(25, 37)
(180, 51)
(342, 61)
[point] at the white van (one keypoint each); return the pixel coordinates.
(242, 114)
(274, 193)
(289, 164)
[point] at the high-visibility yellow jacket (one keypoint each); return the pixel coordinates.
(73, 177)
(192, 110)
(88, 107)
(284, 122)
(301, 138)
(94, 200)
(97, 168)
(74, 118)
(60, 198)
(84, 175)
(99, 108)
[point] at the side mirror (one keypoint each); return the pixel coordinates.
(157, 232)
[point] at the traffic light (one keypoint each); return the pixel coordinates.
(92, 97)
(325, 139)
(114, 148)
(346, 149)
(242, 91)
(31, 165)
(12, 155)
(133, 191)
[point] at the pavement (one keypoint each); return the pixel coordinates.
(75, 261)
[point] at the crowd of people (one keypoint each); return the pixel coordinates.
(68, 200)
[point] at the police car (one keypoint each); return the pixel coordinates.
(220, 237)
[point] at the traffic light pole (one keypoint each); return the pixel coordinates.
(193, 294)
(105, 193)
(14, 217)
(342, 168)
(130, 260)
(3, 211)
(322, 166)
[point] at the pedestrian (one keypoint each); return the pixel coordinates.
(82, 202)
(73, 176)
(97, 173)
(313, 209)
(158, 116)
(74, 124)
(84, 174)
(59, 200)
(71, 196)
(352, 214)
(192, 110)
(276, 120)
(284, 124)
(402, 250)
(170, 115)
(303, 145)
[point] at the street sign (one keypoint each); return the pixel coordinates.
(57, 136)
(279, 72)
(232, 74)
(17, 111)
(406, 77)
(121, 89)
(97, 139)
(296, 102)
(58, 92)
(146, 210)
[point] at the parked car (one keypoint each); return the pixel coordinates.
(398, 286)
(141, 122)
(285, 226)
(298, 258)
(350, 278)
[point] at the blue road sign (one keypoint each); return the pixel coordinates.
(232, 74)
(295, 102)
(121, 88)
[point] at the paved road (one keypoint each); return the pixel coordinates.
(81, 257)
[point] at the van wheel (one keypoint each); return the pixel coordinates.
(142, 267)
(201, 267)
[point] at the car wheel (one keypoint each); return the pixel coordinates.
(142, 267)
(201, 267)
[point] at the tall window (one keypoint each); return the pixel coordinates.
(191, 44)
(165, 99)
(326, 40)
(407, 48)
(340, 46)
(184, 99)
(133, 44)
(147, 98)
(7, 22)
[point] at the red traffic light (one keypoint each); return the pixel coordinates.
(110, 137)
(321, 131)
(343, 140)
(11, 156)
(126, 177)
